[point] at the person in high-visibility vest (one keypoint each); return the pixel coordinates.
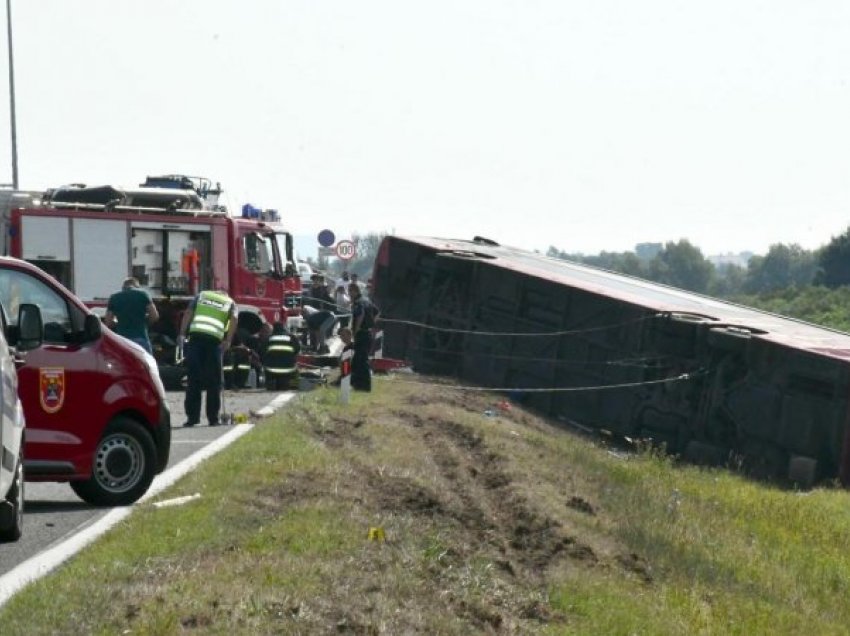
(280, 359)
(210, 323)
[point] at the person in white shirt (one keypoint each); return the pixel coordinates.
(343, 305)
(342, 299)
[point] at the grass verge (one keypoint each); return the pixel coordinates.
(415, 510)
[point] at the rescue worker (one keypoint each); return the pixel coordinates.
(243, 356)
(228, 366)
(210, 323)
(132, 309)
(363, 315)
(343, 305)
(191, 266)
(280, 359)
(318, 296)
(320, 325)
(236, 366)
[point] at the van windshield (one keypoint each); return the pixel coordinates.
(17, 287)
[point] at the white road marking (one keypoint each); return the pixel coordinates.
(177, 501)
(275, 404)
(41, 564)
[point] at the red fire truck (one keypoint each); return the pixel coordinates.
(170, 233)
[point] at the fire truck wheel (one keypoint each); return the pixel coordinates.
(13, 523)
(124, 465)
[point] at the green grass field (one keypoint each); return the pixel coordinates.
(411, 511)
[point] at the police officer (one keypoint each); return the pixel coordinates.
(210, 323)
(280, 359)
(363, 315)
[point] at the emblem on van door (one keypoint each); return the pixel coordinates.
(51, 384)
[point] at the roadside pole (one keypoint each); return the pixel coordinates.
(345, 376)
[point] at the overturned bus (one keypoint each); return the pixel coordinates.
(712, 381)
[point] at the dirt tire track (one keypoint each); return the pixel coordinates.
(478, 478)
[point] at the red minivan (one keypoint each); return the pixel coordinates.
(95, 407)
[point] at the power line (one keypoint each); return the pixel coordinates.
(562, 332)
(565, 389)
(644, 362)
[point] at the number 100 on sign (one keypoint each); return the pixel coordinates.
(345, 250)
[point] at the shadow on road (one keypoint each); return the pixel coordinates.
(46, 506)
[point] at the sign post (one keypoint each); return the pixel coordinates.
(345, 376)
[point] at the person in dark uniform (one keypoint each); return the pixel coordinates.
(236, 366)
(363, 317)
(244, 353)
(280, 359)
(210, 323)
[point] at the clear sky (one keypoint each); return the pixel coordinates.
(588, 125)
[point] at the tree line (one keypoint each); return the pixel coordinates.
(812, 285)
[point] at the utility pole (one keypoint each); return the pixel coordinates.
(12, 97)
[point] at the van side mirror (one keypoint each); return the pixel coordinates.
(92, 328)
(30, 328)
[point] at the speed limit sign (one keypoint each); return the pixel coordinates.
(345, 250)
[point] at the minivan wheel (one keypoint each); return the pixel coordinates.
(123, 468)
(14, 528)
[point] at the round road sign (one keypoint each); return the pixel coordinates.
(326, 238)
(345, 250)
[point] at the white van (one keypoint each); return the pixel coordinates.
(26, 334)
(305, 272)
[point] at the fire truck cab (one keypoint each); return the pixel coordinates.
(172, 235)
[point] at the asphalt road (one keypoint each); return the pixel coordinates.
(53, 513)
